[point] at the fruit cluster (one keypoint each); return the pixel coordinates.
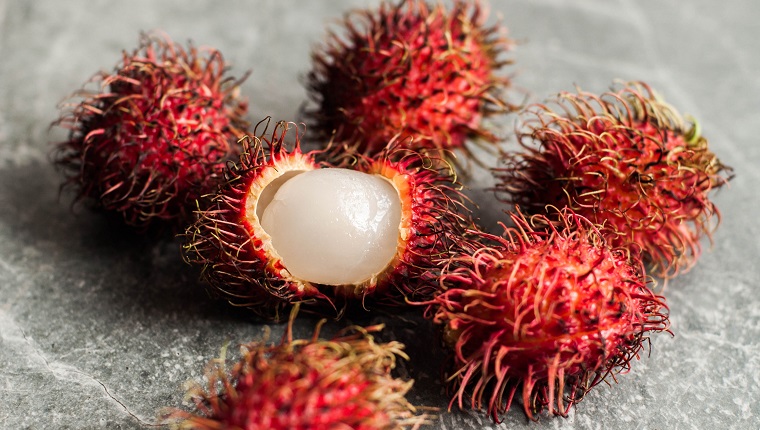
(604, 192)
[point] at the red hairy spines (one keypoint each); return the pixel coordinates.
(306, 384)
(627, 161)
(411, 69)
(542, 314)
(155, 135)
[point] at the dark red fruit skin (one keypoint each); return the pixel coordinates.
(435, 215)
(154, 136)
(627, 161)
(306, 384)
(410, 69)
(544, 314)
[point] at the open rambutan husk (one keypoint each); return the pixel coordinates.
(343, 382)
(627, 161)
(544, 313)
(155, 135)
(409, 67)
(241, 264)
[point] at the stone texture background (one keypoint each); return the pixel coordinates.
(100, 329)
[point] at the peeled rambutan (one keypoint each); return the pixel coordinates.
(155, 135)
(313, 384)
(287, 227)
(627, 161)
(548, 313)
(411, 69)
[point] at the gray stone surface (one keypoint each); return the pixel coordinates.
(100, 329)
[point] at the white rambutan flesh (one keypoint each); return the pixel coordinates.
(332, 226)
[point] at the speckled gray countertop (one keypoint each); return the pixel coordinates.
(100, 329)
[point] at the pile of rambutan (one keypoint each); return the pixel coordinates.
(615, 188)
(605, 191)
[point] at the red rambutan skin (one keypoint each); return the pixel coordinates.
(306, 384)
(155, 135)
(238, 267)
(410, 69)
(547, 314)
(627, 161)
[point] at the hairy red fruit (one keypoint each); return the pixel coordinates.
(548, 314)
(155, 135)
(627, 161)
(244, 263)
(410, 69)
(313, 384)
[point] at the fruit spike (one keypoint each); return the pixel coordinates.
(155, 135)
(542, 314)
(627, 161)
(288, 227)
(314, 384)
(410, 69)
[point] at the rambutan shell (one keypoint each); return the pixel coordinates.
(542, 314)
(627, 161)
(343, 382)
(410, 69)
(155, 134)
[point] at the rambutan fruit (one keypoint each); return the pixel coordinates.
(155, 135)
(548, 313)
(342, 383)
(627, 161)
(288, 227)
(410, 69)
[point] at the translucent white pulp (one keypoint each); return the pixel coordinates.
(334, 226)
